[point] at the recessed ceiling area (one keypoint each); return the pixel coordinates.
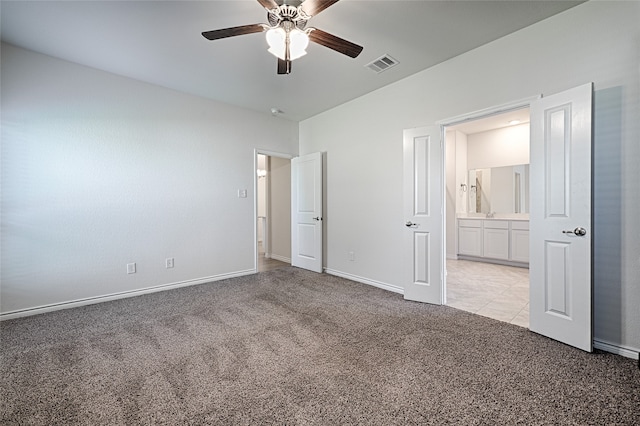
(160, 42)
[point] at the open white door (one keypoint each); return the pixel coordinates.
(422, 207)
(560, 218)
(306, 212)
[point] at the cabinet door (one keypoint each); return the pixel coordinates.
(470, 241)
(520, 245)
(496, 243)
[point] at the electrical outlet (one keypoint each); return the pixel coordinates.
(131, 268)
(352, 256)
(169, 262)
(242, 193)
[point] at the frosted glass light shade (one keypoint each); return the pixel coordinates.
(277, 40)
(298, 42)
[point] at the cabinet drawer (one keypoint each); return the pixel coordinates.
(520, 224)
(470, 223)
(496, 224)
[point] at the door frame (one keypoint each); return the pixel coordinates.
(256, 152)
(452, 121)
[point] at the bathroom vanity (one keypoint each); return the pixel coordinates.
(497, 240)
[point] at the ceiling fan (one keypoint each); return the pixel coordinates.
(287, 31)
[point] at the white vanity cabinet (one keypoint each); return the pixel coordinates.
(495, 241)
(470, 237)
(499, 240)
(520, 241)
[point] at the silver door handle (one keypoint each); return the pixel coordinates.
(410, 224)
(318, 218)
(580, 232)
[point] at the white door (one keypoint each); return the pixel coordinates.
(422, 195)
(560, 218)
(306, 212)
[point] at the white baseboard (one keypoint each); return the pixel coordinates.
(384, 286)
(122, 295)
(597, 344)
(281, 258)
(616, 349)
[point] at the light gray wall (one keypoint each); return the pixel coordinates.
(507, 146)
(462, 175)
(280, 206)
(100, 170)
(596, 41)
(451, 193)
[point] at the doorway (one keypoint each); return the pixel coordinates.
(273, 211)
(487, 216)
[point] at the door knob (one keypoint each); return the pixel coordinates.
(410, 224)
(580, 232)
(317, 218)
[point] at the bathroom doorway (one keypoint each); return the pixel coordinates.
(487, 216)
(273, 211)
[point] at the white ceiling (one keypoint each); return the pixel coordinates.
(160, 42)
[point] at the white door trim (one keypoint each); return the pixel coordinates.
(487, 112)
(256, 152)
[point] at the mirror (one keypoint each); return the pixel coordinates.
(499, 189)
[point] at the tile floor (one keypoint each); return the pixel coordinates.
(494, 291)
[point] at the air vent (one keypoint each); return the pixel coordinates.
(383, 63)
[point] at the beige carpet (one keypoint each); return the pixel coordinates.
(294, 347)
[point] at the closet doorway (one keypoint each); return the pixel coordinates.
(487, 208)
(273, 211)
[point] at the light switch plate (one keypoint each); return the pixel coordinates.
(242, 193)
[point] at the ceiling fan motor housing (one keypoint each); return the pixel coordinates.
(288, 13)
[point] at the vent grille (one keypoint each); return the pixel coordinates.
(383, 63)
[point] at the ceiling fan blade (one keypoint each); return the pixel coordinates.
(284, 67)
(313, 7)
(336, 43)
(233, 31)
(268, 4)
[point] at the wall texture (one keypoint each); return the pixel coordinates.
(99, 171)
(507, 146)
(596, 41)
(280, 207)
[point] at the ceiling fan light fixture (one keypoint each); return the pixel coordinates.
(295, 40)
(287, 34)
(276, 39)
(298, 42)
